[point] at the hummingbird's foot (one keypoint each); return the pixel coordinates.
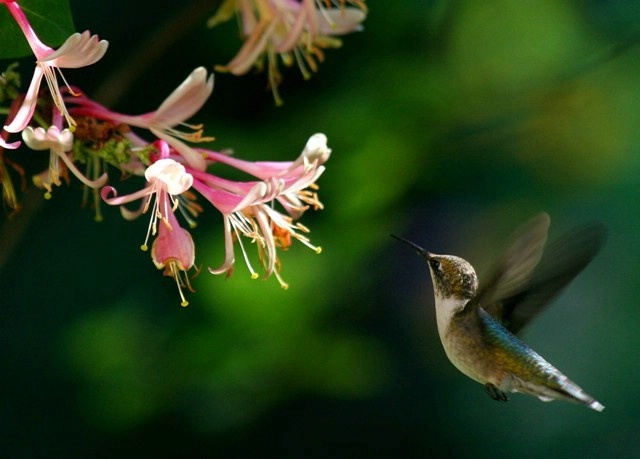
(495, 393)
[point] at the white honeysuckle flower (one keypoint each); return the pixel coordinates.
(58, 143)
(53, 137)
(171, 174)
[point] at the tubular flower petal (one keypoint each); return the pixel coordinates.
(9, 146)
(173, 250)
(314, 154)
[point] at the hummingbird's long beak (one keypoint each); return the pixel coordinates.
(415, 247)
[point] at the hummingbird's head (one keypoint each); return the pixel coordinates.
(452, 277)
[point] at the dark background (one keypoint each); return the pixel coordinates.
(450, 124)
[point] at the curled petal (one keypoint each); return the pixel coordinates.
(229, 258)
(186, 99)
(115, 200)
(27, 108)
(79, 50)
(97, 183)
(9, 146)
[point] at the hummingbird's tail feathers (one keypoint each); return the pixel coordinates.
(554, 386)
(590, 403)
(595, 405)
(571, 391)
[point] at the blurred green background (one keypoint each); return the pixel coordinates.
(450, 124)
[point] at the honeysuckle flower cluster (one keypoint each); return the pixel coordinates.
(79, 50)
(88, 141)
(293, 31)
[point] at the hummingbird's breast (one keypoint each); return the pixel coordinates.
(461, 337)
(464, 347)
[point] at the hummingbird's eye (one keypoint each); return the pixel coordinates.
(435, 264)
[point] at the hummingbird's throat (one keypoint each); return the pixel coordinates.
(445, 310)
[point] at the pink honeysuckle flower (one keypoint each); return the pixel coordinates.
(181, 105)
(235, 222)
(166, 179)
(247, 207)
(173, 250)
(78, 51)
(58, 142)
(294, 30)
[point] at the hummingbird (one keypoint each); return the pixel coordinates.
(478, 327)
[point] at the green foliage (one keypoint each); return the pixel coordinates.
(51, 20)
(9, 83)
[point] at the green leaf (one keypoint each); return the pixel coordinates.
(50, 19)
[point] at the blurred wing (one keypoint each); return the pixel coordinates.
(563, 260)
(514, 270)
